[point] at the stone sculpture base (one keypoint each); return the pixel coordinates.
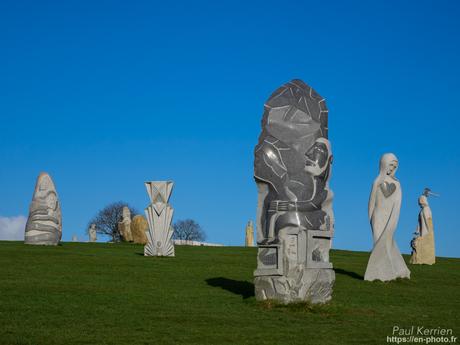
(310, 284)
(424, 250)
(42, 238)
(297, 269)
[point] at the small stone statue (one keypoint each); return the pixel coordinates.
(124, 227)
(249, 234)
(159, 217)
(423, 250)
(292, 163)
(44, 225)
(386, 262)
(92, 233)
(74, 238)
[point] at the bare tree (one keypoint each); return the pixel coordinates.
(107, 219)
(188, 230)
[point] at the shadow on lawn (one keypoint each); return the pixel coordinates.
(349, 273)
(238, 287)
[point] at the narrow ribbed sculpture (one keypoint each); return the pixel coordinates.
(159, 216)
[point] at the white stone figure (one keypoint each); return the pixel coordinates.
(249, 242)
(423, 249)
(386, 262)
(124, 227)
(159, 216)
(74, 238)
(92, 233)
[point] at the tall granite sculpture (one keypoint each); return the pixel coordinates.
(139, 226)
(159, 216)
(92, 233)
(294, 215)
(385, 262)
(249, 240)
(423, 250)
(44, 225)
(124, 227)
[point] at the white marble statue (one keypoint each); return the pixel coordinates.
(92, 233)
(386, 262)
(423, 250)
(159, 217)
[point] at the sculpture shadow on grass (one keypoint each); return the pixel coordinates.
(349, 273)
(238, 287)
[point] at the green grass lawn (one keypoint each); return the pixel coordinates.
(94, 293)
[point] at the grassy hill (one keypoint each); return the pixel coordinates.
(93, 293)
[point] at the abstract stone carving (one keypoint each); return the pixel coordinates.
(44, 225)
(386, 262)
(249, 235)
(159, 216)
(139, 226)
(124, 227)
(92, 233)
(294, 215)
(423, 250)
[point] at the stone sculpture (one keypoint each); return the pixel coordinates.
(423, 250)
(294, 215)
(249, 234)
(44, 225)
(74, 238)
(92, 233)
(386, 262)
(139, 226)
(159, 216)
(124, 227)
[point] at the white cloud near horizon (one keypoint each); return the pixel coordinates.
(12, 228)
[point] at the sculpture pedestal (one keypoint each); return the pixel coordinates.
(297, 269)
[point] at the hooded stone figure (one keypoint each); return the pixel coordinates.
(44, 225)
(385, 262)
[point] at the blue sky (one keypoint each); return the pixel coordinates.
(105, 95)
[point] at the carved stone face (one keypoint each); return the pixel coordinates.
(317, 159)
(392, 167)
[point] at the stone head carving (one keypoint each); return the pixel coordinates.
(388, 164)
(423, 201)
(126, 214)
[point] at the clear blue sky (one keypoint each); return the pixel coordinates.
(105, 95)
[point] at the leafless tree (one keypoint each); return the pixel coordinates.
(107, 219)
(188, 230)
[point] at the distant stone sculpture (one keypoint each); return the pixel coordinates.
(423, 249)
(92, 233)
(159, 216)
(294, 215)
(74, 238)
(124, 227)
(139, 226)
(386, 262)
(44, 225)
(249, 234)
